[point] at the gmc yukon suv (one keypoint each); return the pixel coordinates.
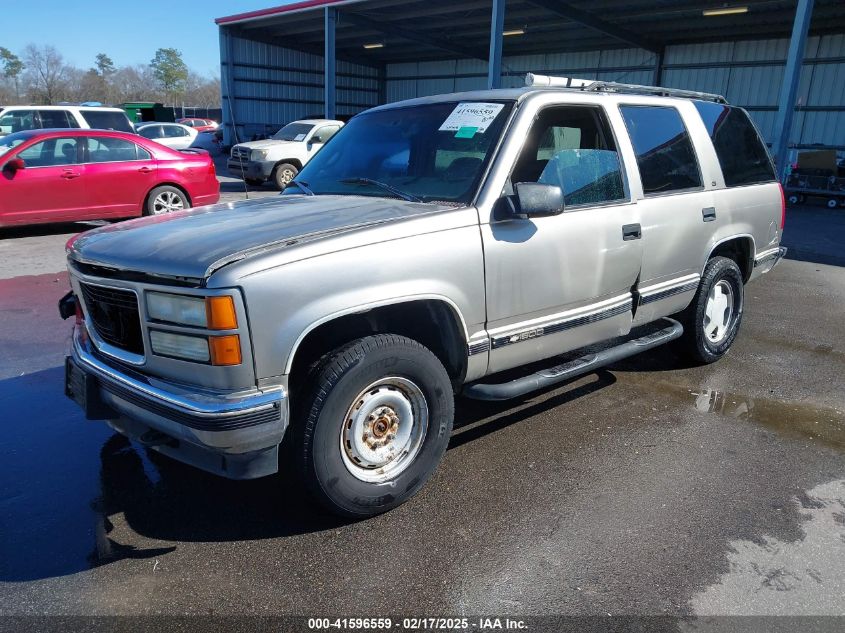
(432, 245)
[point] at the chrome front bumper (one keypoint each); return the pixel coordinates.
(235, 435)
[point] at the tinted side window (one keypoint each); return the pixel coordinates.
(174, 131)
(18, 121)
(665, 155)
(51, 153)
(111, 150)
(742, 155)
(151, 131)
(571, 147)
(324, 134)
(107, 120)
(57, 118)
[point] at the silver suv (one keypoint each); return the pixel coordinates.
(432, 245)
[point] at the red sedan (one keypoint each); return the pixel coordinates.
(68, 175)
(200, 125)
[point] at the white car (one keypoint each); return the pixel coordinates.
(280, 157)
(173, 135)
(22, 118)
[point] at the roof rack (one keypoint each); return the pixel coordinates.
(588, 85)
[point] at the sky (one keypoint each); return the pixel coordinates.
(128, 32)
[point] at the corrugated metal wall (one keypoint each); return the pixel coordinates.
(748, 73)
(275, 85)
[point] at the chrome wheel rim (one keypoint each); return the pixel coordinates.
(167, 201)
(384, 429)
(718, 312)
(287, 176)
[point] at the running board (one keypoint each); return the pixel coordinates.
(574, 368)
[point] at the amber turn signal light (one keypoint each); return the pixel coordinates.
(220, 313)
(225, 350)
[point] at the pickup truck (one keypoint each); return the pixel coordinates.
(433, 245)
(279, 158)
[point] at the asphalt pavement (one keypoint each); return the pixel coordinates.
(650, 488)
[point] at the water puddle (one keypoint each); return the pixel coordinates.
(791, 419)
(774, 577)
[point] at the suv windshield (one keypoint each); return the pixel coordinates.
(293, 132)
(433, 152)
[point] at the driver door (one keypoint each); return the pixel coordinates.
(560, 282)
(51, 187)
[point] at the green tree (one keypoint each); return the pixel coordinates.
(104, 65)
(170, 71)
(12, 67)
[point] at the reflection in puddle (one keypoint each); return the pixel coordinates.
(792, 419)
(773, 577)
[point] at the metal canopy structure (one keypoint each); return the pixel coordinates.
(442, 29)
(358, 49)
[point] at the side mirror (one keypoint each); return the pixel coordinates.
(14, 164)
(536, 199)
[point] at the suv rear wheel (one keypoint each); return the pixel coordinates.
(712, 320)
(283, 174)
(375, 426)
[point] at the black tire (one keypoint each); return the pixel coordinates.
(336, 384)
(283, 174)
(695, 343)
(254, 182)
(794, 199)
(156, 198)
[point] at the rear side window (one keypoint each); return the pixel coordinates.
(742, 155)
(665, 155)
(173, 131)
(57, 119)
(112, 150)
(107, 120)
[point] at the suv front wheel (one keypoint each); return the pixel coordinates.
(712, 320)
(375, 426)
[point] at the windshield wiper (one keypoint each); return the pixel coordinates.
(302, 185)
(382, 185)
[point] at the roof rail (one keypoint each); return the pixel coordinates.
(588, 85)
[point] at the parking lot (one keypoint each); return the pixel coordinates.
(648, 488)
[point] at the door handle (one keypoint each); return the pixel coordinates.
(708, 214)
(145, 170)
(70, 175)
(631, 232)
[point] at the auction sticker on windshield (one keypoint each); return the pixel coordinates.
(471, 115)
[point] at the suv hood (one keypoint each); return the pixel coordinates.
(196, 242)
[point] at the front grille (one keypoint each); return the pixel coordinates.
(240, 153)
(114, 314)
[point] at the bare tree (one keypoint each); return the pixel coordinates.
(47, 68)
(201, 91)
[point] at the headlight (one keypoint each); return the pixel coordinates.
(179, 309)
(259, 154)
(180, 346)
(214, 313)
